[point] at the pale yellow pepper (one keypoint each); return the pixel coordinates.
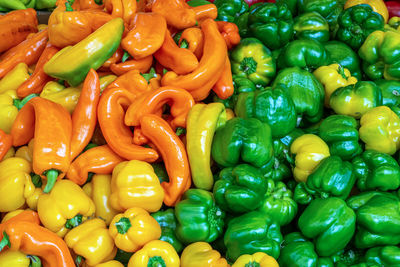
(11, 258)
(112, 263)
(8, 112)
(201, 254)
(153, 253)
(260, 259)
(333, 77)
(309, 150)
(14, 78)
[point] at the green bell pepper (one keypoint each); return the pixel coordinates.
(278, 203)
(74, 62)
(356, 23)
(376, 171)
(331, 178)
(381, 55)
(240, 85)
(230, 10)
(356, 99)
(330, 222)
(198, 217)
(378, 219)
(278, 168)
(342, 54)
(274, 107)
(239, 189)
(45, 4)
(307, 54)
(252, 60)
(195, 3)
(306, 91)
(247, 140)
(390, 92)
(383, 256)
(272, 24)
(250, 233)
(349, 258)
(340, 132)
(311, 25)
(167, 221)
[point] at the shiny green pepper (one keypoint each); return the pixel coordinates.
(167, 221)
(311, 25)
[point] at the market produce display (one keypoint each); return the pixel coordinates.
(168, 133)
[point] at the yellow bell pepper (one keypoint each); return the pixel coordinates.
(92, 241)
(8, 112)
(14, 259)
(155, 253)
(134, 228)
(134, 184)
(201, 254)
(66, 97)
(112, 263)
(333, 77)
(380, 130)
(99, 190)
(11, 214)
(26, 152)
(309, 150)
(14, 78)
(10, 153)
(257, 259)
(377, 5)
(64, 207)
(229, 114)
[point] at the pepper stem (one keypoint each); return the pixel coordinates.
(78, 260)
(36, 180)
(248, 65)
(21, 103)
(5, 241)
(73, 222)
(35, 261)
(184, 44)
(123, 225)
(152, 74)
(252, 264)
(125, 56)
(51, 180)
(156, 261)
(341, 72)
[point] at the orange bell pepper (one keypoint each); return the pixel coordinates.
(177, 13)
(84, 117)
(124, 9)
(179, 60)
(116, 57)
(142, 65)
(99, 160)
(5, 143)
(27, 52)
(21, 215)
(16, 26)
(146, 35)
(202, 79)
(230, 32)
(38, 79)
(173, 153)
(192, 39)
(204, 12)
(224, 86)
(50, 125)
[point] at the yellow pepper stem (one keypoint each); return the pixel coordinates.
(123, 225)
(252, 264)
(74, 222)
(51, 180)
(35, 261)
(156, 261)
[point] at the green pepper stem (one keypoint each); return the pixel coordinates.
(184, 44)
(35, 261)
(78, 260)
(5, 241)
(123, 225)
(125, 56)
(252, 264)
(73, 222)
(36, 180)
(21, 103)
(248, 65)
(51, 180)
(341, 72)
(156, 261)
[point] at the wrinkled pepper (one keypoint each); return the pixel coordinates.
(311, 25)
(230, 32)
(377, 5)
(329, 9)
(386, 256)
(201, 254)
(155, 253)
(167, 221)
(194, 40)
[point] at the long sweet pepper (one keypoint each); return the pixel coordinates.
(17, 76)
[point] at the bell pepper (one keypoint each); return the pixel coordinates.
(230, 10)
(12, 4)
(133, 229)
(373, 210)
(66, 97)
(239, 189)
(17, 76)
(311, 25)
(248, 140)
(167, 221)
(198, 217)
(309, 150)
(378, 6)
(341, 135)
(329, 9)
(305, 90)
(240, 85)
(99, 190)
(380, 55)
(83, 56)
(333, 77)
(272, 24)
(121, 8)
(45, 4)
(201, 254)
(65, 207)
(330, 222)
(155, 253)
(250, 233)
(356, 99)
(257, 259)
(390, 92)
(112, 263)
(384, 256)
(376, 171)
(380, 130)
(277, 168)
(305, 53)
(8, 112)
(92, 241)
(26, 152)
(202, 122)
(18, 259)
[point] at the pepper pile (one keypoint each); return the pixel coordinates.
(166, 133)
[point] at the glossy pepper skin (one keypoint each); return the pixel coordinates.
(134, 228)
(8, 111)
(198, 216)
(330, 222)
(14, 258)
(66, 97)
(240, 85)
(355, 100)
(92, 241)
(378, 6)
(390, 92)
(134, 184)
(329, 9)
(17, 76)
(250, 233)
(271, 106)
(230, 10)
(386, 256)
(6, 141)
(167, 221)
(177, 13)
(239, 189)
(64, 202)
(248, 140)
(257, 259)
(376, 171)
(380, 55)
(202, 254)
(155, 253)
(341, 135)
(272, 24)
(373, 227)
(311, 25)
(380, 130)
(252, 60)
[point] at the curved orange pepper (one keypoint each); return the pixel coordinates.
(132, 81)
(203, 12)
(116, 57)
(173, 153)
(124, 9)
(87, 4)
(142, 65)
(5, 143)
(195, 40)
(230, 32)
(177, 13)
(224, 86)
